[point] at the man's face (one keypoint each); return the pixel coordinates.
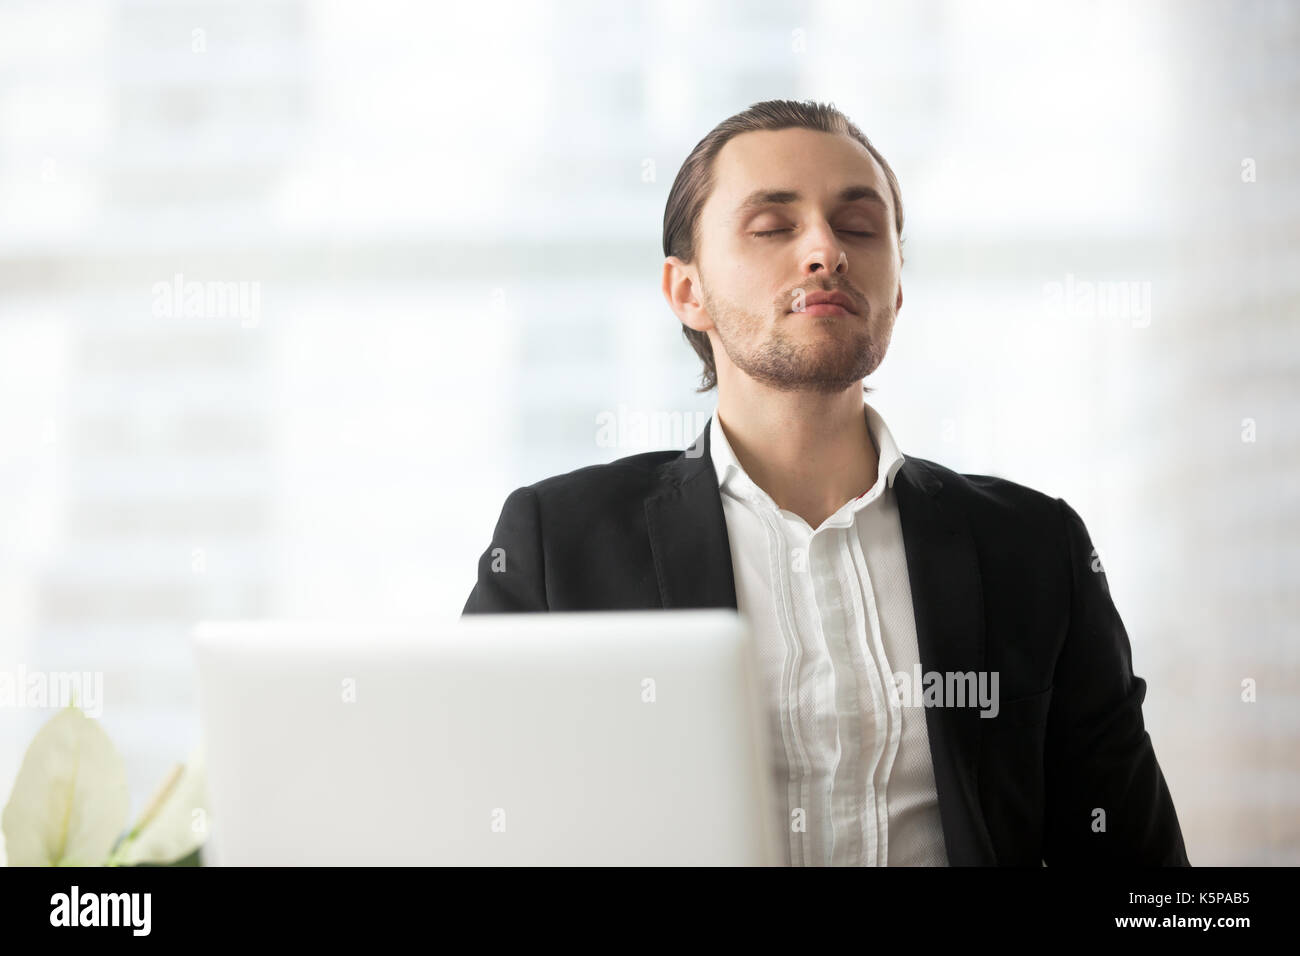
(788, 218)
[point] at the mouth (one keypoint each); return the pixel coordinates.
(828, 303)
(823, 308)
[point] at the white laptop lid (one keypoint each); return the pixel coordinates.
(622, 738)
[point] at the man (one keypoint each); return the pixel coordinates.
(855, 566)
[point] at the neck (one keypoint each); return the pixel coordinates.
(810, 452)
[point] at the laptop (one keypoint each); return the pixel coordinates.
(623, 738)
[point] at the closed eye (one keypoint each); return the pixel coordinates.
(773, 232)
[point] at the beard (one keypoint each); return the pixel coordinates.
(836, 354)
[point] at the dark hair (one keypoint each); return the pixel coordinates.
(694, 182)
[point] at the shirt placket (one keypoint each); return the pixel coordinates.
(806, 846)
(886, 707)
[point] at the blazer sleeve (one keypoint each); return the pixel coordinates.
(1107, 802)
(512, 572)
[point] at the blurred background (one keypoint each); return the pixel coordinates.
(294, 293)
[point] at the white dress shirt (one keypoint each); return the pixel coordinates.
(831, 614)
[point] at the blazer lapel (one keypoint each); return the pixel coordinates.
(688, 532)
(947, 601)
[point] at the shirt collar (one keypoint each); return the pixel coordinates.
(730, 473)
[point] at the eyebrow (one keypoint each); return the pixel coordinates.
(779, 197)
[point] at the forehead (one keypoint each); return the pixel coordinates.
(817, 165)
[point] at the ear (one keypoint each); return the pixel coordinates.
(898, 305)
(681, 292)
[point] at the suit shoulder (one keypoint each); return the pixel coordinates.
(623, 477)
(991, 492)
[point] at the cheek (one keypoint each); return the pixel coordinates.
(749, 278)
(750, 289)
(877, 272)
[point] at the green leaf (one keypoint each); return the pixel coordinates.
(70, 799)
(194, 859)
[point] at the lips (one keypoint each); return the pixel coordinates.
(828, 299)
(825, 308)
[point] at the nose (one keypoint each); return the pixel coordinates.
(826, 256)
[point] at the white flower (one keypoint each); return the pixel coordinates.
(70, 799)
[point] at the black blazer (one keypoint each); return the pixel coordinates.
(1003, 578)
